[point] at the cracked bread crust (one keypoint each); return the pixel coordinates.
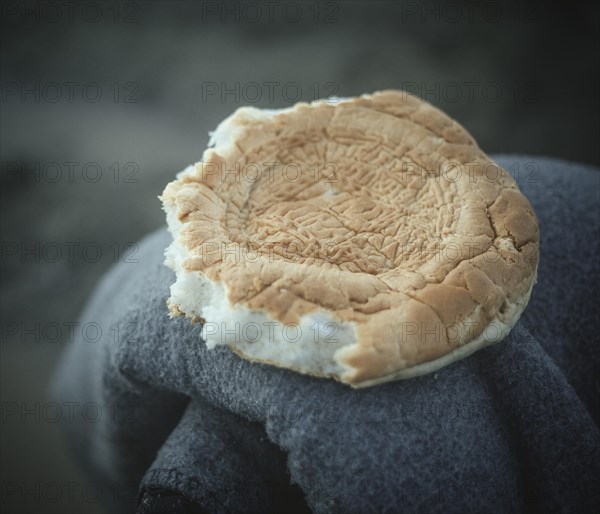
(380, 211)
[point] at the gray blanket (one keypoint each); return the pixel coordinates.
(513, 428)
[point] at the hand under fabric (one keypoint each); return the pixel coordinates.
(512, 428)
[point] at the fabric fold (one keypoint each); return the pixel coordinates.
(225, 463)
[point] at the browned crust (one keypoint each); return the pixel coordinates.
(477, 236)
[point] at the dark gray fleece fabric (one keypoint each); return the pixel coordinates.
(513, 428)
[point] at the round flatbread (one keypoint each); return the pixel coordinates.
(366, 239)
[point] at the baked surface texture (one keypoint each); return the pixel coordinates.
(377, 220)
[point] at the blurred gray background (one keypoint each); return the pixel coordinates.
(102, 103)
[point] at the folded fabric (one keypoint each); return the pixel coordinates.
(513, 428)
